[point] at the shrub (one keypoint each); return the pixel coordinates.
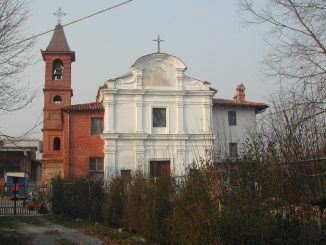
(77, 198)
(58, 200)
(133, 215)
(194, 219)
(252, 201)
(114, 203)
(147, 206)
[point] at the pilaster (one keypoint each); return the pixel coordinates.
(180, 115)
(109, 114)
(139, 79)
(110, 159)
(139, 154)
(139, 114)
(180, 74)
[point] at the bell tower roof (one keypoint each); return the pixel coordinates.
(58, 43)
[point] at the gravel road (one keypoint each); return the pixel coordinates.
(45, 234)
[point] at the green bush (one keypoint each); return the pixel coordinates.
(77, 198)
(147, 206)
(134, 207)
(252, 201)
(58, 198)
(194, 219)
(115, 198)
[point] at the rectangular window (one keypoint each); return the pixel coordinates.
(159, 168)
(96, 167)
(233, 150)
(232, 116)
(96, 125)
(159, 117)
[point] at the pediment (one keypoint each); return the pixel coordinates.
(159, 69)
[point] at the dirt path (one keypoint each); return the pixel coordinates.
(55, 234)
(46, 233)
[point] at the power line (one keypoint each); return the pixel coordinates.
(70, 23)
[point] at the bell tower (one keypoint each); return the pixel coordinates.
(57, 94)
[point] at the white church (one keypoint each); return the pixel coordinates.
(159, 120)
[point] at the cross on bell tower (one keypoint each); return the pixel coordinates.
(59, 14)
(158, 40)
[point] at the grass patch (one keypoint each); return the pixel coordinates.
(52, 232)
(64, 241)
(11, 222)
(99, 230)
(12, 237)
(8, 222)
(32, 220)
(9, 226)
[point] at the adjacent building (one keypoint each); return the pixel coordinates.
(232, 120)
(20, 162)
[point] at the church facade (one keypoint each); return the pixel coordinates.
(155, 119)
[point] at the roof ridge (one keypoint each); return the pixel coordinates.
(82, 107)
(260, 106)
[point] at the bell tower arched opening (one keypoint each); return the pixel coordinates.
(56, 144)
(57, 99)
(57, 70)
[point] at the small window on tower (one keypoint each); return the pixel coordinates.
(56, 144)
(57, 99)
(57, 70)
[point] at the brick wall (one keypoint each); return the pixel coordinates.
(53, 159)
(80, 145)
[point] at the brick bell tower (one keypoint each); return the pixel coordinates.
(57, 94)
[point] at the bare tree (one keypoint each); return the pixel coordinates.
(298, 45)
(15, 55)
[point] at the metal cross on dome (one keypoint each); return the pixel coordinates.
(158, 40)
(59, 13)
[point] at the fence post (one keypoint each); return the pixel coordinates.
(15, 198)
(89, 199)
(15, 189)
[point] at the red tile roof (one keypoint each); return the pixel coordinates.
(257, 105)
(95, 106)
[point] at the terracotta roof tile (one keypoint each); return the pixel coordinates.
(84, 107)
(259, 106)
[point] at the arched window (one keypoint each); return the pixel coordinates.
(57, 99)
(56, 144)
(57, 70)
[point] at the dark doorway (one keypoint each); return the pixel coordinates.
(159, 168)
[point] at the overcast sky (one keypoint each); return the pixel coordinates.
(209, 36)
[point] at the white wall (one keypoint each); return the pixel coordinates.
(225, 134)
(156, 80)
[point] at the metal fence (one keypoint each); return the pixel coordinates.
(24, 199)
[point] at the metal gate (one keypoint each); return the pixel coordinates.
(24, 199)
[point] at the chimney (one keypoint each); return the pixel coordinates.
(240, 95)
